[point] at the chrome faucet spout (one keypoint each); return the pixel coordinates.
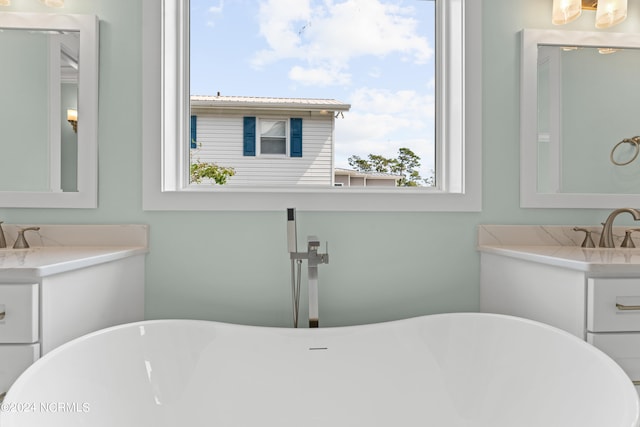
(606, 239)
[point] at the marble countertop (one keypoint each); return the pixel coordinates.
(60, 248)
(45, 261)
(559, 246)
(576, 258)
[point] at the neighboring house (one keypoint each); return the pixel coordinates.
(352, 178)
(268, 141)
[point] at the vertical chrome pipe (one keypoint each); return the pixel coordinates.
(292, 247)
(314, 316)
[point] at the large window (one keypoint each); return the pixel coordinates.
(167, 123)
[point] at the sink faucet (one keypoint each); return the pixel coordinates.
(606, 239)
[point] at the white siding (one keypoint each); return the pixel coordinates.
(219, 138)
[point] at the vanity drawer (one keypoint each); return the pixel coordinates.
(18, 313)
(613, 305)
(15, 359)
(624, 348)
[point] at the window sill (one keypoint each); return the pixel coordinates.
(333, 199)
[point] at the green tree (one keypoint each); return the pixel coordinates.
(405, 164)
(200, 170)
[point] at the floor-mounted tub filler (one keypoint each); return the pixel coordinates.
(314, 258)
(460, 369)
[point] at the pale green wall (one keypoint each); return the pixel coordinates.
(234, 266)
(24, 117)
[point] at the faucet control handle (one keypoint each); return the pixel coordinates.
(324, 258)
(588, 241)
(628, 242)
(21, 242)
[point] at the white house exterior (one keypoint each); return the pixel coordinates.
(268, 141)
(352, 178)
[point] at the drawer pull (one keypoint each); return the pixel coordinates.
(627, 307)
(635, 382)
(2, 313)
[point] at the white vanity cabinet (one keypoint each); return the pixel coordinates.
(613, 320)
(52, 294)
(19, 318)
(592, 293)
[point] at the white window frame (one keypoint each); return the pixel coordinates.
(165, 119)
(259, 152)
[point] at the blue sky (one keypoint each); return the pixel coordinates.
(377, 55)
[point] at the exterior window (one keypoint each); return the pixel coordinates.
(273, 137)
(457, 109)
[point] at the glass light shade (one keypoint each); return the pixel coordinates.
(610, 13)
(53, 3)
(565, 11)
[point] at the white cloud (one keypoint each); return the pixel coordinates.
(281, 24)
(366, 27)
(381, 122)
(216, 11)
(218, 8)
(327, 35)
(318, 76)
(407, 103)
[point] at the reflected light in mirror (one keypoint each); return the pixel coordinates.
(5, 2)
(565, 11)
(72, 118)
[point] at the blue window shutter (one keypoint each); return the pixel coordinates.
(194, 132)
(296, 137)
(249, 136)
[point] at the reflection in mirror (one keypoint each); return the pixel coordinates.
(587, 103)
(579, 101)
(39, 79)
(45, 161)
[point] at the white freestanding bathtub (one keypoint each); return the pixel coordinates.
(463, 369)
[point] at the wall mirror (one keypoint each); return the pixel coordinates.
(48, 110)
(579, 114)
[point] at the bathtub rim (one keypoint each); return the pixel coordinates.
(603, 357)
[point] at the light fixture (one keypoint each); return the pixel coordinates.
(50, 3)
(53, 3)
(608, 12)
(565, 11)
(72, 118)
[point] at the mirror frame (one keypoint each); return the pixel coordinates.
(529, 196)
(87, 179)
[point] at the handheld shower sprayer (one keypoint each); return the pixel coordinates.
(292, 246)
(292, 234)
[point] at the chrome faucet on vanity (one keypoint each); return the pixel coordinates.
(21, 241)
(606, 239)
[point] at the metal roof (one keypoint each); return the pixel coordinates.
(305, 104)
